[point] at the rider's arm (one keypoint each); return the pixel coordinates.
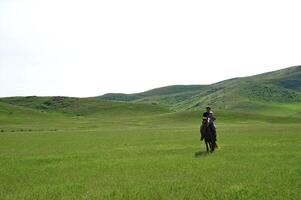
(212, 117)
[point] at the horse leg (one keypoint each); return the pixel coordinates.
(207, 146)
(211, 144)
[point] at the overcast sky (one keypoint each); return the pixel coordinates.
(88, 48)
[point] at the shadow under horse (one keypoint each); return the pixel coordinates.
(208, 136)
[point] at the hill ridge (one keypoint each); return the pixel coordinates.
(241, 93)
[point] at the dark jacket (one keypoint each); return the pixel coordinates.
(209, 116)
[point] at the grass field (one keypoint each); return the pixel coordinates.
(148, 155)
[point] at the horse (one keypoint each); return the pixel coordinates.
(207, 135)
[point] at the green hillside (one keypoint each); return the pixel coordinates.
(254, 92)
(282, 86)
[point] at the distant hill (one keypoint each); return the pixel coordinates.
(278, 90)
(277, 87)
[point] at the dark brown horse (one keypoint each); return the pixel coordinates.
(208, 136)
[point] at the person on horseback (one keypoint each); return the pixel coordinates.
(209, 119)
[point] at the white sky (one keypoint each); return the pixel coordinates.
(87, 48)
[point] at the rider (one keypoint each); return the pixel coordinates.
(208, 116)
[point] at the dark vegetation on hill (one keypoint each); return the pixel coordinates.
(169, 94)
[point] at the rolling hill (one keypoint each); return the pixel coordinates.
(274, 92)
(277, 87)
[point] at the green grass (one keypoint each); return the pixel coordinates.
(152, 164)
(146, 153)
